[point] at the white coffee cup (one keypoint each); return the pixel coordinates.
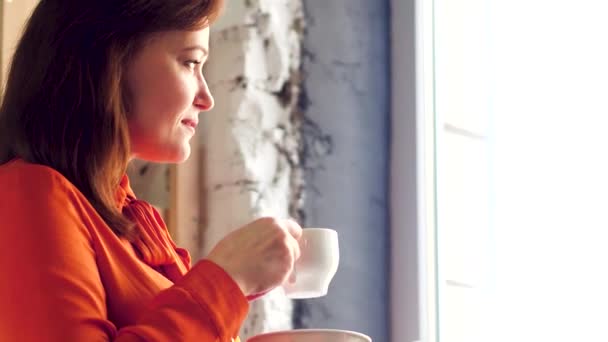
(311, 335)
(317, 265)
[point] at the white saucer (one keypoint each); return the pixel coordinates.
(311, 335)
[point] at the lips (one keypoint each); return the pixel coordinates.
(190, 122)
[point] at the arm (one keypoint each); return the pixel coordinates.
(52, 290)
(197, 308)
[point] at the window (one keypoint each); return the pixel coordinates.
(521, 186)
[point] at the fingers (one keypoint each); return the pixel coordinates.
(295, 231)
(295, 255)
(296, 250)
(293, 228)
(292, 276)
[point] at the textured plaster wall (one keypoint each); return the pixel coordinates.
(346, 67)
(250, 140)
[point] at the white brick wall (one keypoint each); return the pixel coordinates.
(249, 139)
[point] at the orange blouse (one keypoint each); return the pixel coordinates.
(68, 277)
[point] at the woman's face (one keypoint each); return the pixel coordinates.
(167, 92)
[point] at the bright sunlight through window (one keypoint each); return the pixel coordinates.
(522, 147)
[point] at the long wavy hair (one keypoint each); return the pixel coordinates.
(65, 103)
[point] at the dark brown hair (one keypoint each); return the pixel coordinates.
(65, 104)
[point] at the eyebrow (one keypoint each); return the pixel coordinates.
(197, 47)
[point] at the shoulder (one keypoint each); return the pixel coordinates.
(33, 189)
(38, 201)
(20, 177)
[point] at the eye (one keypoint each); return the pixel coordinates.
(192, 63)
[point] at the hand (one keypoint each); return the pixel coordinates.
(259, 256)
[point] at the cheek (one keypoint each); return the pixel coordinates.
(160, 100)
(168, 95)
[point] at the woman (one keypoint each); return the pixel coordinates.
(92, 85)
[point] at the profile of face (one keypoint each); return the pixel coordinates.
(167, 91)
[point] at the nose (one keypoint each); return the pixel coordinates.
(203, 99)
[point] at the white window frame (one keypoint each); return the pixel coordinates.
(413, 303)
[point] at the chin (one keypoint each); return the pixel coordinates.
(171, 156)
(179, 157)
